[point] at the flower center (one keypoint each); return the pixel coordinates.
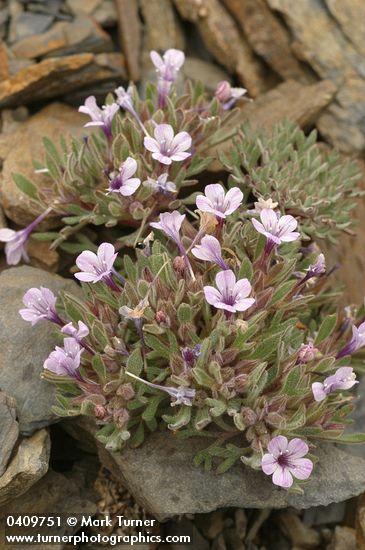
(284, 459)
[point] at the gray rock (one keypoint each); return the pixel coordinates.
(162, 478)
(28, 465)
(29, 24)
(24, 348)
(9, 429)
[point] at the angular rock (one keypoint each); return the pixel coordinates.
(65, 38)
(106, 14)
(162, 478)
(350, 15)
(42, 255)
(344, 538)
(292, 100)
(24, 348)
(28, 465)
(267, 36)
(29, 24)
(129, 27)
(9, 429)
(224, 41)
(360, 523)
(78, 7)
(298, 533)
(57, 76)
(163, 12)
(19, 149)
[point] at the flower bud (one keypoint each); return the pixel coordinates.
(223, 91)
(126, 391)
(179, 265)
(100, 412)
(161, 318)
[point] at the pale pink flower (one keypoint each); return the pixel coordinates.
(167, 68)
(343, 379)
(357, 341)
(285, 460)
(40, 303)
(96, 267)
(161, 184)
(122, 182)
(216, 201)
(277, 229)
(209, 250)
(65, 361)
(227, 95)
(180, 395)
(230, 295)
(170, 223)
(166, 147)
(99, 117)
(78, 333)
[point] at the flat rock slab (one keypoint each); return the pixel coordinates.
(9, 429)
(24, 348)
(162, 478)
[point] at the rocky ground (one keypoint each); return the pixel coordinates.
(301, 60)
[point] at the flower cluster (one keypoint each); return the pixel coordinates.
(210, 327)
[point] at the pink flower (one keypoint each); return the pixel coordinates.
(216, 201)
(99, 117)
(180, 395)
(170, 223)
(78, 333)
(16, 241)
(161, 185)
(318, 268)
(65, 361)
(209, 250)
(40, 304)
(166, 147)
(343, 379)
(96, 267)
(231, 296)
(285, 460)
(167, 68)
(122, 182)
(307, 352)
(277, 229)
(227, 95)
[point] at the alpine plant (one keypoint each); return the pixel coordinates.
(219, 325)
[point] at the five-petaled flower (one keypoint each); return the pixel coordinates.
(166, 147)
(161, 184)
(97, 267)
(65, 361)
(170, 223)
(277, 229)
(167, 68)
(40, 304)
(216, 201)
(357, 341)
(99, 117)
(343, 379)
(230, 295)
(285, 460)
(122, 181)
(209, 250)
(180, 395)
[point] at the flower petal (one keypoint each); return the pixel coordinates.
(129, 187)
(302, 469)
(297, 448)
(269, 464)
(233, 200)
(128, 168)
(277, 445)
(318, 391)
(212, 295)
(282, 477)
(151, 144)
(225, 281)
(164, 134)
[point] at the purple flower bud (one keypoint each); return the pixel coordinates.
(191, 354)
(277, 229)
(318, 268)
(210, 250)
(180, 395)
(161, 185)
(166, 147)
(99, 117)
(40, 304)
(285, 460)
(97, 267)
(125, 100)
(65, 361)
(307, 352)
(228, 95)
(230, 295)
(216, 201)
(122, 181)
(343, 379)
(357, 341)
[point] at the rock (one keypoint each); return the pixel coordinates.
(4, 62)
(292, 100)
(11, 120)
(344, 538)
(106, 14)
(58, 76)
(210, 525)
(172, 35)
(322, 515)
(129, 27)
(9, 429)
(299, 534)
(28, 465)
(42, 255)
(65, 38)
(186, 528)
(360, 523)
(19, 149)
(21, 360)
(29, 24)
(268, 37)
(78, 7)
(224, 41)
(162, 478)
(350, 15)
(208, 73)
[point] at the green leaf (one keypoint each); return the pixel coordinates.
(292, 381)
(352, 438)
(326, 328)
(181, 419)
(99, 367)
(26, 186)
(282, 292)
(135, 362)
(150, 412)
